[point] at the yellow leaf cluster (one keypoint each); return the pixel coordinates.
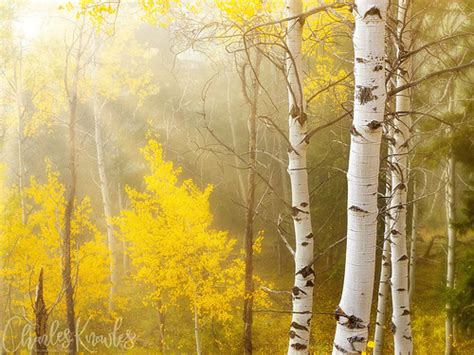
(37, 243)
(173, 246)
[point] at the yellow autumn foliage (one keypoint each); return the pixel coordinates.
(28, 247)
(173, 246)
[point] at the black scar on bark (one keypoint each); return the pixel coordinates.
(373, 125)
(339, 313)
(296, 291)
(309, 236)
(357, 209)
(302, 117)
(373, 11)
(352, 321)
(295, 210)
(401, 289)
(304, 244)
(306, 271)
(304, 204)
(293, 334)
(353, 131)
(406, 312)
(401, 186)
(407, 337)
(361, 60)
(309, 283)
(378, 67)
(395, 232)
(393, 328)
(294, 111)
(364, 94)
(355, 339)
(298, 326)
(340, 349)
(298, 346)
(403, 257)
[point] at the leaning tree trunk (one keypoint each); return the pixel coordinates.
(104, 189)
(451, 218)
(302, 292)
(401, 318)
(353, 312)
(384, 288)
(41, 316)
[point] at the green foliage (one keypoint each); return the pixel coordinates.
(463, 295)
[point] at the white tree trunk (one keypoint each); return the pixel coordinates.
(450, 217)
(21, 112)
(103, 182)
(196, 331)
(353, 312)
(414, 225)
(125, 260)
(401, 318)
(302, 292)
(384, 289)
(242, 189)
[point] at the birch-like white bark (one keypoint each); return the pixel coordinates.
(401, 318)
(196, 331)
(103, 182)
(302, 292)
(21, 110)
(242, 189)
(353, 312)
(384, 289)
(414, 225)
(125, 261)
(450, 219)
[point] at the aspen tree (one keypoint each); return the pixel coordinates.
(353, 312)
(400, 140)
(302, 292)
(103, 183)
